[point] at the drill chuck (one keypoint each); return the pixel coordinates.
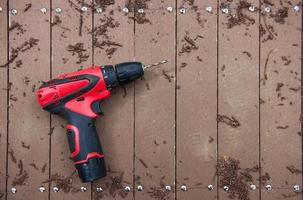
(122, 73)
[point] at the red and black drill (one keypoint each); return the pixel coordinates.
(77, 96)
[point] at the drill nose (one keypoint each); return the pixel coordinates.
(129, 71)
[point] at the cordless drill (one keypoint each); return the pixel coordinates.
(77, 96)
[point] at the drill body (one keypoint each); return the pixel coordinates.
(77, 96)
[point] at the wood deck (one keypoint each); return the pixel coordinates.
(224, 112)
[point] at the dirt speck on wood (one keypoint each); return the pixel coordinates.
(230, 121)
(79, 50)
(158, 192)
(292, 169)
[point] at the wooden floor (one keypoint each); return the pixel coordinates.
(223, 114)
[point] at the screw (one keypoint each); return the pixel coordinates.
(55, 189)
(225, 10)
(14, 11)
(267, 9)
(183, 188)
(99, 189)
(268, 187)
(58, 10)
(83, 189)
(209, 9)
(253, 187)
(252, 8)
(13, 190)
(210, 187)
(169, 9)
(125, 10)
(182, 10)
(41, 189)
(99, 10)
(43, 10)
(84, 8)
(1, 9)
(225, 188)
(127, 189)
(167, 188)
(139, 187)
(296, 188)
(297, 8)
(141, 11)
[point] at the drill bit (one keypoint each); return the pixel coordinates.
(154, 64)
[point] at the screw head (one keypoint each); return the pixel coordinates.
(209, 9)
(253, 187)
(99, 10)
(268, 187)
(296, 188)
(141, 10)
(225, 10)
(125, 10)
(99, 189)
(252, 8)
(297, 8)
(226, 188)
(168, 188)
(41, 189)
(13, 190)
(55, 189)
(58, 10)
(139, 187)
(210, 187)
(169, 9)
(84, 8)
(267, 9)
(183, 188)
(14, 11)
(43, 10)
(83, 189)
(182, 10)
(1, 9)
(126, 188)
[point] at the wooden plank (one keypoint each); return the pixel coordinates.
(28, 125)
(3, 94)
(238, 100)
(114, 43)
(155, 100)
(197, 100)
(71, 50)
(281, 154)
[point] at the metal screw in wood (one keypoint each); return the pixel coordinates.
(226, 188)
(41, 189)
(58, 10)
(125, 10)
(139, 187)
(267, 9)
(83, 189)
(225, 10)
(268, 187)
(209, 9)
(126, 188)
(210, 187)
(14, 190)
(99, 189)
(84, 8)
(99, 10)
(252, 8)
(183, 188)
(168, 188)
(141, 10)
(14, 11)
(253, 187)
(55, 189)
(297, 8)
(182, 10)
(43, 10)
(169, 9)
(296, 188)
(1, 9)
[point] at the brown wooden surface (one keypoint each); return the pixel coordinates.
(196, 100)
(228, 99)
(3, 94)
(281, 144)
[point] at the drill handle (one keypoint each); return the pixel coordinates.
(85, 147)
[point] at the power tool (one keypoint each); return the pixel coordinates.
(77, 96)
